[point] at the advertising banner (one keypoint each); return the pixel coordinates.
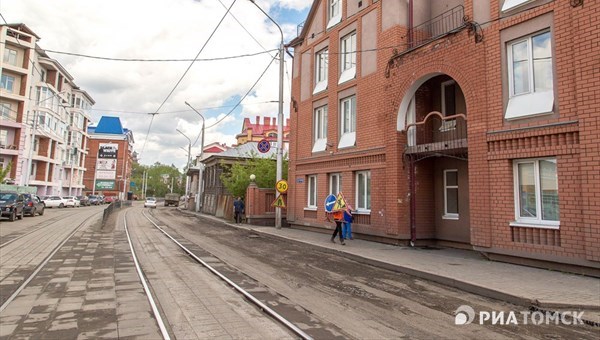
(108, 151)
(106, 164)
(105, 185)
(106, 174)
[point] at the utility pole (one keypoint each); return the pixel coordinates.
(199, 163)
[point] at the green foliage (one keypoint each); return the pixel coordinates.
(159, 179)
(237, 177)
(5, 171)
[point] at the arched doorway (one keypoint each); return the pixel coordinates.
(433, 114)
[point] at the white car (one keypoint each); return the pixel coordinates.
(150, 202)
(72, 201)
(54, 202)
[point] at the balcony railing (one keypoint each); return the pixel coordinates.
(440, 25)
(437, 134)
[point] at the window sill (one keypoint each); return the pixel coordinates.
(361, 212)
(320, 87)
(543, 225)
(310, 208)
(348, 139)
(334, 21)
(450, 217)
(528, 105)
(347, 75)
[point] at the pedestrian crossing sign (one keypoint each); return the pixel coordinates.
(278, 202)
(340, 203)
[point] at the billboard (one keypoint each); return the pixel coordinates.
(106, 164)
(105, 174)
(108, 150)
(105, 184)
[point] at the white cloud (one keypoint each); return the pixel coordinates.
(158, 29)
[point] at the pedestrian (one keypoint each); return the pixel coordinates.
(347, 228)
(238, 209)
(338, 218)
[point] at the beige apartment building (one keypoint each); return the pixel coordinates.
(44, 117)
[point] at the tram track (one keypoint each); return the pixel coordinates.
(32, 229)
(205, 259)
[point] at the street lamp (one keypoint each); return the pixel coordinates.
(279, 117)
(201, 155)
(189, 150)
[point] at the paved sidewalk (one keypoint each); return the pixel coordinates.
(465, 270)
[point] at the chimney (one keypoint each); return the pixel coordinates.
(287, 122)
(274, 121)
(267, 121)
(257, 120)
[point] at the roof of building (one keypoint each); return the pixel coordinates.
(108, 125)
(258, 129)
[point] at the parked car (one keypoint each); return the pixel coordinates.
(11, 205)
(102, 199)
(85, 201)
(72, 201)
(54, 202)
(150, 202)
(110, 199)
(94, 200)
(32, 205)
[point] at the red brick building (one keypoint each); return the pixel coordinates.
(454, 122)
(110, 159)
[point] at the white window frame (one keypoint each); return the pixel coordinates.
(6, 110)
(7, 82)
(311, 191)
(320, 129)
(363, 204)
(335, 180)
(448, 125)
(334, 12)
(321, 70)
(510, 4)
(538, 221)
(347, 57)
(3, 137)
(532, 102)
(447, 215)
(347, 122)
(10, 56)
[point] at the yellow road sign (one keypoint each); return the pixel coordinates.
(278, 202)
(340, 203)
(282, 186)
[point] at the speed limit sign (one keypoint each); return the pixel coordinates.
(282, 186)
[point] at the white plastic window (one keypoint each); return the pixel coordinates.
(347, 122)
(536, 192)
(363, 191)
(348, 57)
(320, 129)
(335, 184)
(321, 70)
(312, 191)
(7, 82)
(334, 12)
(530, 80)
(10, 56)
(450, 194)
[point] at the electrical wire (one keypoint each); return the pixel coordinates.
(184, 74)
(159, 60)
(239, 102)
(178, 111)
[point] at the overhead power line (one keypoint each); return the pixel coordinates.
(159, 60)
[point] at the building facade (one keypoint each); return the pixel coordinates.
(110, 159)
(257, 131)
(454, 122)
(44, 117)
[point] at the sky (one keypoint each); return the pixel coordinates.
(231, 59)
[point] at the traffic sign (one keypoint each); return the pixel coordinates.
(340, 203)
(282, 186)
(264, 146)
(278, 202)
(329, 202)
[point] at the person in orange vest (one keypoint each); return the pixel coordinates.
(338, 218)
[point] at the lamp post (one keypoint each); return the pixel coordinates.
(189, 150)
(200, 169)
(279, 174)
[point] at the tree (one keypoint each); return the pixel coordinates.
(237, 178)
(5, 171)
(159, 179)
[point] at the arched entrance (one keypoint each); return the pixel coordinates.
(433, 114)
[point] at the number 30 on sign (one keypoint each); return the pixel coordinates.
(282, 186)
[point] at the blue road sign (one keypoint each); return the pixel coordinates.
(264, 146)
(329, 202)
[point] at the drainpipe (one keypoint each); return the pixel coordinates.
(410, 24)
(413, 203)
